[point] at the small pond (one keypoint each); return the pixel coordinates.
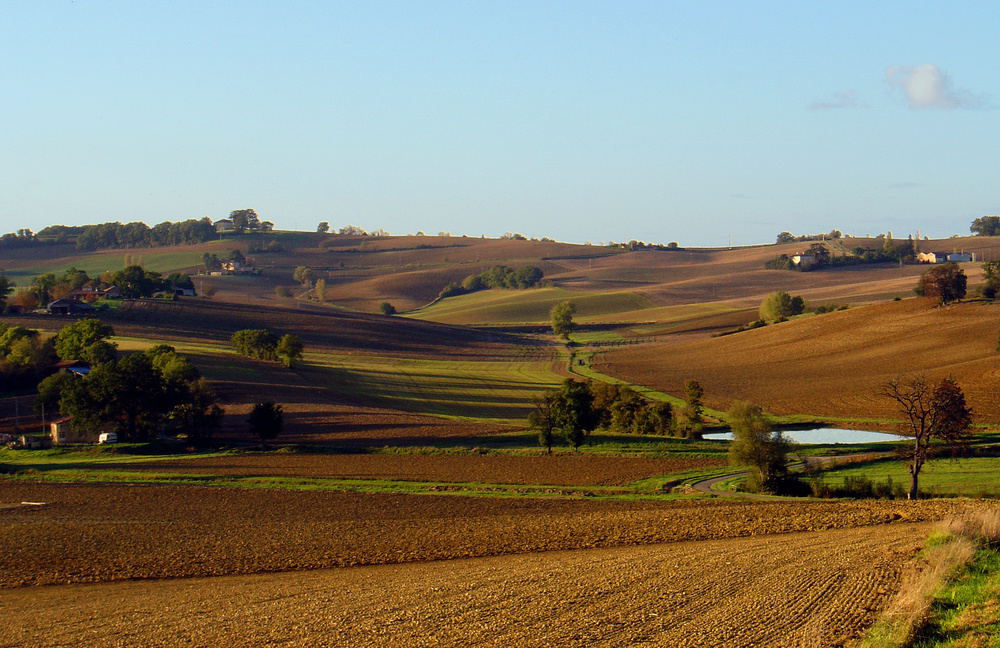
(823, 435)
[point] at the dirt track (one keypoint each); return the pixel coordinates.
(806, 589)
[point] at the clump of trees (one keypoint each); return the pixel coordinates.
(577, 408)
(561, 318)
(264, 344)
(137, 396)
(946, 282)
(758, 447)
(497, 277)
(936, 418)
(779, 306)
(386, 308)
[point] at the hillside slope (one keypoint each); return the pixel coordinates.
(830, 365)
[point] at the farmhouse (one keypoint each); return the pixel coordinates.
(62, 432)
(941, 257)
(77, 367)
(804, 260)
(69, 307)
(223, 225)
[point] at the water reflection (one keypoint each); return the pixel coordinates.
(824, 435)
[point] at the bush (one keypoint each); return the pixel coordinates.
(386, 308)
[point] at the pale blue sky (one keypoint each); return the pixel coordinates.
(659, 121)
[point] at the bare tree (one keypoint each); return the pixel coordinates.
(935, 417)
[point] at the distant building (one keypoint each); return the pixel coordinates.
(69, 307)
(804, 260)
(223, 225)
(77, 367)
(962, 257)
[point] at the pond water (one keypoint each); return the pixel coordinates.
(823, 435)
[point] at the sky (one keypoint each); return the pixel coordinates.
(704, 122)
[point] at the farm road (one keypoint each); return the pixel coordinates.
(814, 588)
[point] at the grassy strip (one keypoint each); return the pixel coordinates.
(645, 489)
(951, 598)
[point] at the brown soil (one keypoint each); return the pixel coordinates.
(800, 589)
(830, 365)
(95, 533)
(556, 470)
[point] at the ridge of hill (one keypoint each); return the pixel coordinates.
(410, 271)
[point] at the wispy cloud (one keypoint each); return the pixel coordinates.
(926, 86)
(845, 99)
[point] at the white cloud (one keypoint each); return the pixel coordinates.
(846, 99)
(926, 86)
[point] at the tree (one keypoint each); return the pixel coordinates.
(266, 420)
(986, 226)
(947, 282)
(573, 412)
(542, 419)
(386, 308)
(134, 282)
(991, 279)
(86, 340)
(320, 290)
(303, 275)
(780, 305)
(289, 349)
(936, 418)
(244, 219)
(198, 415)
(323, 227)
(755, 445)
(689, 423)
(6, 288)
(562, 318)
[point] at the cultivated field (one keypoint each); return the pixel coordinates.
(800, 589)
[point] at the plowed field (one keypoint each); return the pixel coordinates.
(89, 533)
(802, 589)
(556, 470)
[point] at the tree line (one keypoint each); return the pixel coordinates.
(498, 277)
(133, 282)
(577, 408)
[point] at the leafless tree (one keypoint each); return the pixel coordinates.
(935, 417)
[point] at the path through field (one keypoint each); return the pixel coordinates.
(799, 589)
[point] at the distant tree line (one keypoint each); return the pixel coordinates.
(499, 276)
(578, 408)
(788, 237)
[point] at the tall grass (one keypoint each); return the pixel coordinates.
(911, 616)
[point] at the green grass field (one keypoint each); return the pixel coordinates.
(972, 477)
(528, 306)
